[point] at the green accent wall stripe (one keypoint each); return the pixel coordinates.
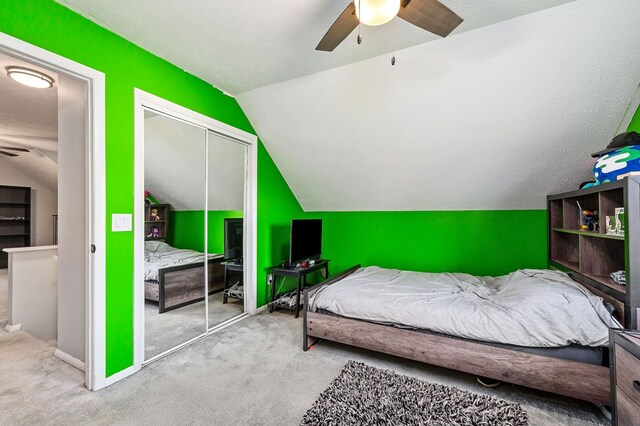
(475, 242)
(635, 122)
(187, 228)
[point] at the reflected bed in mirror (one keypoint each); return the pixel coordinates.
(175, 277)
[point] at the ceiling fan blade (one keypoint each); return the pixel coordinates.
(14, 149)
(344, 25)
(48, 144)
(430, 15)
(8, 154)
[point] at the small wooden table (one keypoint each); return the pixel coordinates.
(301, 275)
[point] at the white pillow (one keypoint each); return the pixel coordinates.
(155, 246)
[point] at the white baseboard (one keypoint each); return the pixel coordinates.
(75, 362)
(121, 375)
(261, 309)
(13, 327)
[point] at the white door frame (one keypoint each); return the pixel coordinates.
(95, 210)
(142, 101)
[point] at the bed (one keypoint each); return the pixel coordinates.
(536, 328)
(175, 277)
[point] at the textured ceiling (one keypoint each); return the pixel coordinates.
(27, 113)
(239, 45)
(494, 118)
(29, 119)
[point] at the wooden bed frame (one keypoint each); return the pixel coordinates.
(182, 285)
(570, 378)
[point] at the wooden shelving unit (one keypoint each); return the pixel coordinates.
(15, 219)
(162, 224)
(593, 255)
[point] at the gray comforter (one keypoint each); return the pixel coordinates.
(159, 255)
(534, 308)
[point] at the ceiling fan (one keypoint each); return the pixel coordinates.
(430, 15)
(4, 151)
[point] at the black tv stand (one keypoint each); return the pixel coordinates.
(231, 265)
(301, 274)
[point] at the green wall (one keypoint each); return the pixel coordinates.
(476, 242)
(635, 122)
(186, 229)
(277, 207)
(51, 26)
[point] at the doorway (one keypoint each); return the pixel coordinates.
(78, 300)
(194, 226)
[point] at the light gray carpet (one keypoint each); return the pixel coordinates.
(251, 373)
(366, 395)
(4, 297)
(169, 329)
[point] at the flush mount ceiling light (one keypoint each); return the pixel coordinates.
(376, 12)
(29, 77)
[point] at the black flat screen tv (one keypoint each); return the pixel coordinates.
(306, 240)
(232, 238)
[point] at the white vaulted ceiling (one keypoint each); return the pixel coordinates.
(29, 119)
(239, 45)
(502, 112)
(494, 118)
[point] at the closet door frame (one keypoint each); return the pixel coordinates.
(146, 101)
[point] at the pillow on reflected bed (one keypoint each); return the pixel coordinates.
(156, 247)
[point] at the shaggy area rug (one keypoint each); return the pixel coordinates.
(365, 395)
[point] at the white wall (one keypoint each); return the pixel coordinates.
(493, 118)
(44, 201)
(33, 292)
(72, 249)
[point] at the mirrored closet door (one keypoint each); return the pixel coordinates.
(174, 228)
(225, 205)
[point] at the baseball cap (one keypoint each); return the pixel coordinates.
(620, 141)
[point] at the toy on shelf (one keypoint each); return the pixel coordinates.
(149, 199)
(155, 232)
(620, 159)
(154, 216)
(589, 220)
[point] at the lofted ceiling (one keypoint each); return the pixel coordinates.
(240, 45)
(29, 119)
(493, 118)
(504, 111)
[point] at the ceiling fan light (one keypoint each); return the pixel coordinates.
(29, 77)
(376, 12)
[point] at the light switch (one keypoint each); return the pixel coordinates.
(121, 222)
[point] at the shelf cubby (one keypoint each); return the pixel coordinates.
(15, 219)
(592, 256)
(162, 224)
(571, 212)
(565, 249)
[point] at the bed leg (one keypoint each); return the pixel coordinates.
(605, 410)
(305, 338)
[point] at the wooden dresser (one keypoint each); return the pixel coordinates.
(625, 377)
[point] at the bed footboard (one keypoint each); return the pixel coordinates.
(182, 285)
(570, 378)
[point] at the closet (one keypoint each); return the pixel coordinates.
(194, 181)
